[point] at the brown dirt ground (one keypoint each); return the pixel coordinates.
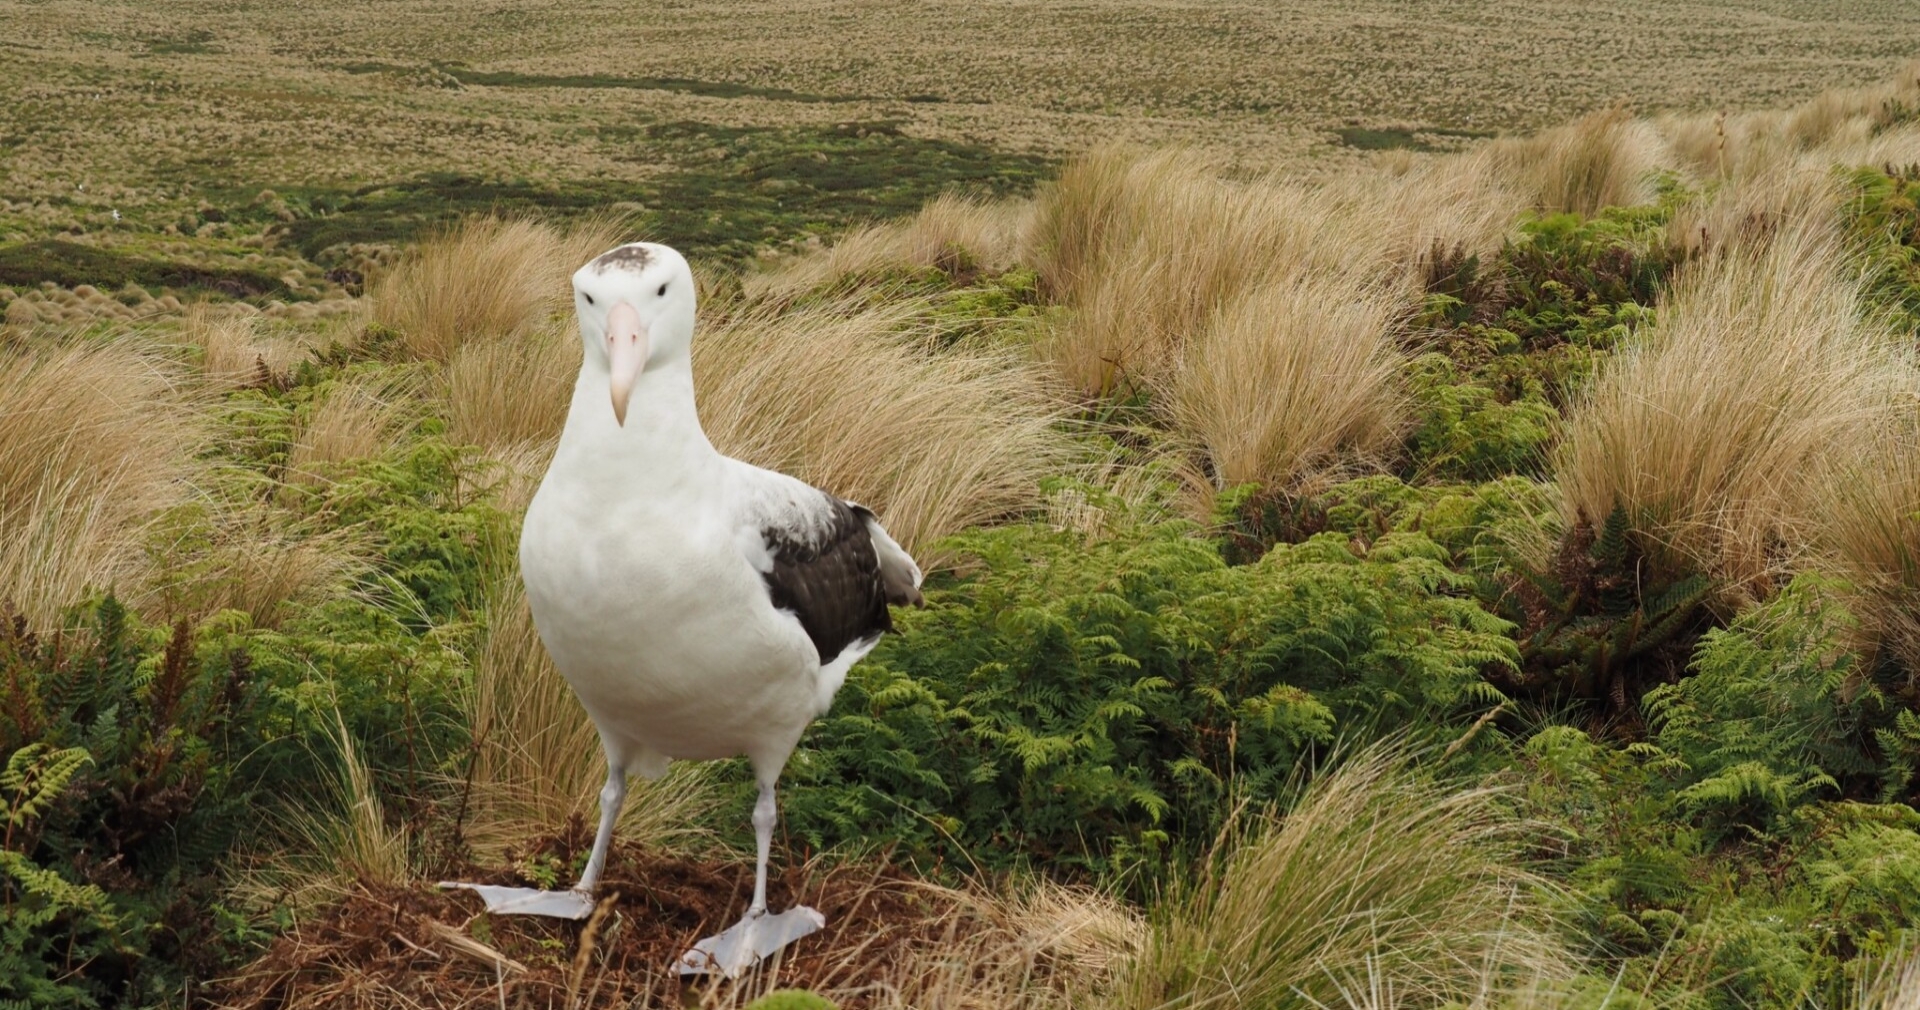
(384, 946)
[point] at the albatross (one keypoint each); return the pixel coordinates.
(700, 607)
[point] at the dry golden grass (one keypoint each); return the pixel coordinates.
(859, 404)
(1376, 874)
(1870, 532)
(486, 279)
(262, 565)
(504, 393)
(1147, 249)
(1708, 430)
(952, 233)
(355, 419)
(234, 346)
(536, 756)
(1605, 159)
(99, 439)
(1258, 317)
(1409, 205)
(1290, 379)
(1858, 125)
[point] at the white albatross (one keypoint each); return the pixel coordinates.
(700, 607)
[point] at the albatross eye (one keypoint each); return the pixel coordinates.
(588, 297)
(662, 293)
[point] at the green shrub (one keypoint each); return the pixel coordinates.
(1775, 712)
(1511, 340)
(1087, 704)
(123, 787)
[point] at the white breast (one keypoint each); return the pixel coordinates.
(663, 627)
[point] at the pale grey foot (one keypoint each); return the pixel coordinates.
(578, 902)
(529, 900)
(749, 941)
(757, 934)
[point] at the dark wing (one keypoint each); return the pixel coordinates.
(830, 579)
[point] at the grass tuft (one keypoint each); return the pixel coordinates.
(99, 438)
(1707, 430)
(952, 233)
(859, 403)
(1604, 159)
(1377, 873)
(1291, 379)
(489, 278)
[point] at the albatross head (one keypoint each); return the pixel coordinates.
(636, 313)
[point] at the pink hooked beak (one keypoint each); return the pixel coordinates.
(626, 355)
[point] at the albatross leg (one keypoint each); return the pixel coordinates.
(757, 934)
(578, 902)
(612, 797)
(764, 813)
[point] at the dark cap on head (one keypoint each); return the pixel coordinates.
(633, 255)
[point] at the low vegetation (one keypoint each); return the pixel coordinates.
(1484, 580)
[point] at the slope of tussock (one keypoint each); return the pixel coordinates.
(100, 439)
(1711, 430)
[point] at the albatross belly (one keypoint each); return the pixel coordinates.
(670, 640)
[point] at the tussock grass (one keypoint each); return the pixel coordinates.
(234, 346)
(1148, 247)
(1289, 379)
(357, 419)
(326, 846)
(262, 564)
(1870, 529)
(1791, 198)
(99, 439)
(857, 402)
(536, 758)
(1604, 159)
(1257, 317)
(1377, 873)
(488, 278)
(506, 393)
(1410, 206)
(953, 233)
(1708, 431)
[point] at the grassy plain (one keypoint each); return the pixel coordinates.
(1404, 531)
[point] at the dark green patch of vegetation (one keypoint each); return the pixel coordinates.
(1370, 138)
(736, 190)
(68, 263)
(196, 42)
(682, 85)
(1095, 706)
(764, 187)
(403, 211)
(1387, 138)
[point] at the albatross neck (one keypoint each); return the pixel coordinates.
(661, 443)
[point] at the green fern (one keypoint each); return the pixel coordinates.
(1088, 703)
(34, 777)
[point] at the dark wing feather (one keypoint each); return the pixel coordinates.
(830, 581)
